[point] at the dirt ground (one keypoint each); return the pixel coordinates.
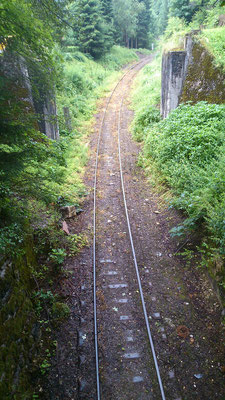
(183, 310)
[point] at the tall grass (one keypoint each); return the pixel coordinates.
(84, 81)
(146, 98)
(214, 41)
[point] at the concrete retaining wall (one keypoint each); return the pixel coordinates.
(190, 75)
(14, 68)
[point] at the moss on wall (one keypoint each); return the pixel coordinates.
(204, 81)
(19, 331)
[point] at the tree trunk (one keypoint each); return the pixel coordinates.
(126, 40)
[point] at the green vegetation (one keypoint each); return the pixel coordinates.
(90, 28)
(85, 79)
(97, 25)
(185, 152)
(214, 41)
(192, 15)
(146, 98)
(39, 175)
(71, 50)
(188, 148)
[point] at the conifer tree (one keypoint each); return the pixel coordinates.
(126, 14)
(107, 12)
(144, 19)
(89, 27)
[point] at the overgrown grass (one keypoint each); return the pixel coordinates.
(188, 149)
(214, 41)
(84, 82)
(173, 38)
(86, 79)
(185, 154)
(144, 51)
(208, 17)
(146, 98)
(118, 57)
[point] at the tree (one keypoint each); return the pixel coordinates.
(160, 16)
(107, 12)
(126, 14)
(182, 9)
(143, 24)
(27, 41)
(89, 27)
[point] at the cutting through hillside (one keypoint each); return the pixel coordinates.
(112, 199)
(182, 309)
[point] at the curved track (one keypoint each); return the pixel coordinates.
(136, 68)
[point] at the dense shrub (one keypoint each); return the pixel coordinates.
(188, 148)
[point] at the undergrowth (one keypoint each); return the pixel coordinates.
(37, 170)
(146, 98)
(184, 154)
(214, 41)
(187, 151)
(85, 80)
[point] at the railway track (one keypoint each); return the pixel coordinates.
(112, 290)
(177, 295)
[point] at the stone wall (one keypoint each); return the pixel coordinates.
(190, 75)
(14, 68)
(46, 109)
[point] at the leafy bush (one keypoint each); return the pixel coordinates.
(57, 256)
(188, 148)
(173, 37)
(147, 116)
(11, 238)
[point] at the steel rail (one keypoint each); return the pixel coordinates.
(135, 260)
(94, 234)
